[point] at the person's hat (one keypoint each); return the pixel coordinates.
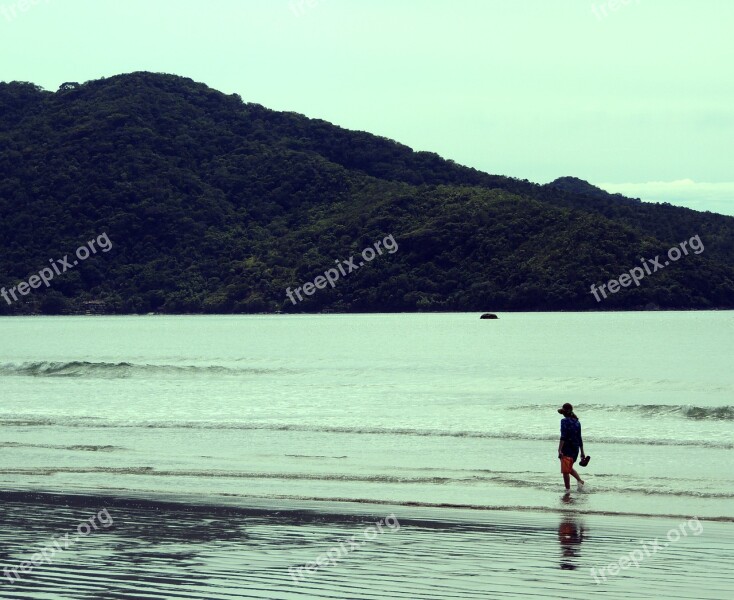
(567, 409)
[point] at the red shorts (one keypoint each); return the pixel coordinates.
(566, 465)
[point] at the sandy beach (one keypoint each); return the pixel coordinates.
(174, 550)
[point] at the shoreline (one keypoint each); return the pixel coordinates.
(353, 314)
(347, 508)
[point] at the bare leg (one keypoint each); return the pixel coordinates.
(576, 475)
(567, 481)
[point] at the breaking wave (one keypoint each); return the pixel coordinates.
(35, 421)
(688, 411)
(122, 370)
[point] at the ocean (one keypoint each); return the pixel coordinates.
(270, 433)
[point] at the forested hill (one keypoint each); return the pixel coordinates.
(215, 205)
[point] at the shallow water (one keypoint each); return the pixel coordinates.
(407, 409)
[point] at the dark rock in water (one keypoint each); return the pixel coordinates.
(489, 316)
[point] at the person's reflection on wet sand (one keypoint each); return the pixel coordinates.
(570, 535)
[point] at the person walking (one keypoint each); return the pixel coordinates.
(570, 445)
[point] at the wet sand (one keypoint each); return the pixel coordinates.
(163, 549)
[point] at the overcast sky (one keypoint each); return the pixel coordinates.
(639, 99)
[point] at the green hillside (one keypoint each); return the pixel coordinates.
(214, 205)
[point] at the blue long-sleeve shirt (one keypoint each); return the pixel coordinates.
(571, 436)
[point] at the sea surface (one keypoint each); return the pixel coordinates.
(440, 418)
(423, 409)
